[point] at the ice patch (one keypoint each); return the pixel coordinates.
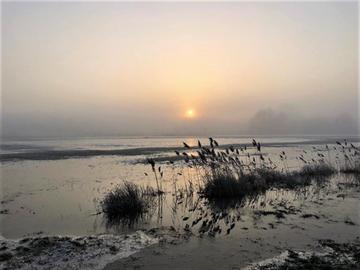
(63, 252)
(340, 254)
(278, 260)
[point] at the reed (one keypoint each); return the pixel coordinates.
(161, 173)
(317, 170)
(127, 202)
(350, 157)
(228, 175)
(351, 169)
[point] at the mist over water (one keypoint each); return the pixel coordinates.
(215, 134)
(110, 69)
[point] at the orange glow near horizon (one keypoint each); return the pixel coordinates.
(182, 68)
(190, 113)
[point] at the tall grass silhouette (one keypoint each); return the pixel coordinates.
(128, 203)
(228, 174)
(236, 172)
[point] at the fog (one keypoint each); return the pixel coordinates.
(120, 69)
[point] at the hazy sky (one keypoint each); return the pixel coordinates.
(117, 68)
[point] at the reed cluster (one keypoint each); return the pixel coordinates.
(127, 202)
(228, 173)
(237, 172)
(317, 170)
(350, 157)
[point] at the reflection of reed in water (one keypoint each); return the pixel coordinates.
(268, 189)
(159, 207)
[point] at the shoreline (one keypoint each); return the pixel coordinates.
(269, 237)
(85, 153)
(70, 252)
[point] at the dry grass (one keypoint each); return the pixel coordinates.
(317, 170)
(127, 202)
(350, 157)
(354, 169)
(224, 184)
(234, 173)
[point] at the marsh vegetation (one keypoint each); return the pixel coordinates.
(127, 203)
(224, 178)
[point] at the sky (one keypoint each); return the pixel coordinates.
(122, 68)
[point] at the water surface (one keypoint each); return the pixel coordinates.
(62, 197)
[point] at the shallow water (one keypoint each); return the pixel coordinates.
(14, 146)
(62, 197)
(256, 238)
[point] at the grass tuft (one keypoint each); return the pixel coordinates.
(317, 170)
(354, 169)
(223, 183)
(127, 202)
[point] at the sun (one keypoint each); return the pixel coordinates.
(190, 113)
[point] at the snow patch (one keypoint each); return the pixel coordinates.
(64, 252)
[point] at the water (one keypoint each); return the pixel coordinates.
(11, 146)
(62, 197)
(55, 188)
